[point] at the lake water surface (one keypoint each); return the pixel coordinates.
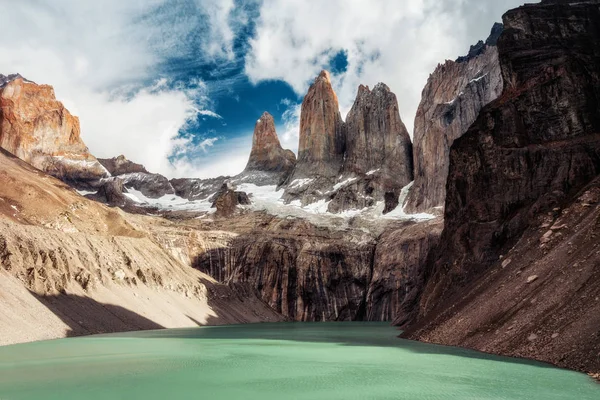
(274, 361)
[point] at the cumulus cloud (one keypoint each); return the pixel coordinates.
(102, 57)
(399, 43)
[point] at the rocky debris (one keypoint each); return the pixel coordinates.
(529, 155)
(451, 101)
(153, 186)
(111, 192)
(38, 129)
(121, 165)
(269, 163)
(198, 189)
(227, 200)
(59, 255)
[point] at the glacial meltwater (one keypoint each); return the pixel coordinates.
(274, 361)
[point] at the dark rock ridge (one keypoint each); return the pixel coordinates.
(121, 165)
(4, 80)
(312, 273)
(351, 165)
(517, 269)
(269, 163)
(480, 47)
(452, 99)
(135, 176)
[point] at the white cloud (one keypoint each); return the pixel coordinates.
(101, 58)
(399, 43)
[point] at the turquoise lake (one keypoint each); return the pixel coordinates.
(274, 361)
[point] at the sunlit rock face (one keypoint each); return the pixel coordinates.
(38, 129)
(452, 99)
(353, 164)
(321, 146)
(269, 163)
(322, 136)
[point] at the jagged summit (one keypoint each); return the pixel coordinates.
(480, 47)
(5, 79)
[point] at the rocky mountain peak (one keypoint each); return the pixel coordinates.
(38, 129)
(268, 161)
(378, 147)
(121, 165)
(322, 136)
(4, 79)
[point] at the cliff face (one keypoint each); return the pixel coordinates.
(451, 101)
(355, 164)
(378, 150)
(310, 273)
(38, 129)
(525, 160)
(322, 135)
(269, 163)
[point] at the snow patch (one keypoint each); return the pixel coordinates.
(373, 171)
(170, 202)
(299, 183)
(340, 185)
(478, 79)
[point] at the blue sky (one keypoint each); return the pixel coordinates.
(178, 84)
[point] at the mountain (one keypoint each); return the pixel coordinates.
(354, 164)
(378, 156)
(71, 266)
(516, 272)
(451, 101)
(38, 129)
(268, 163)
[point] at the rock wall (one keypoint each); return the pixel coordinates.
(310, 273)
(451, 101)
(378, 150)
(528, 155)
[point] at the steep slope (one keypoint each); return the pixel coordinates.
(269, 163)
(451, 101)
(517, 269)
(316, 273)
(38, 129)
(71, 266)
